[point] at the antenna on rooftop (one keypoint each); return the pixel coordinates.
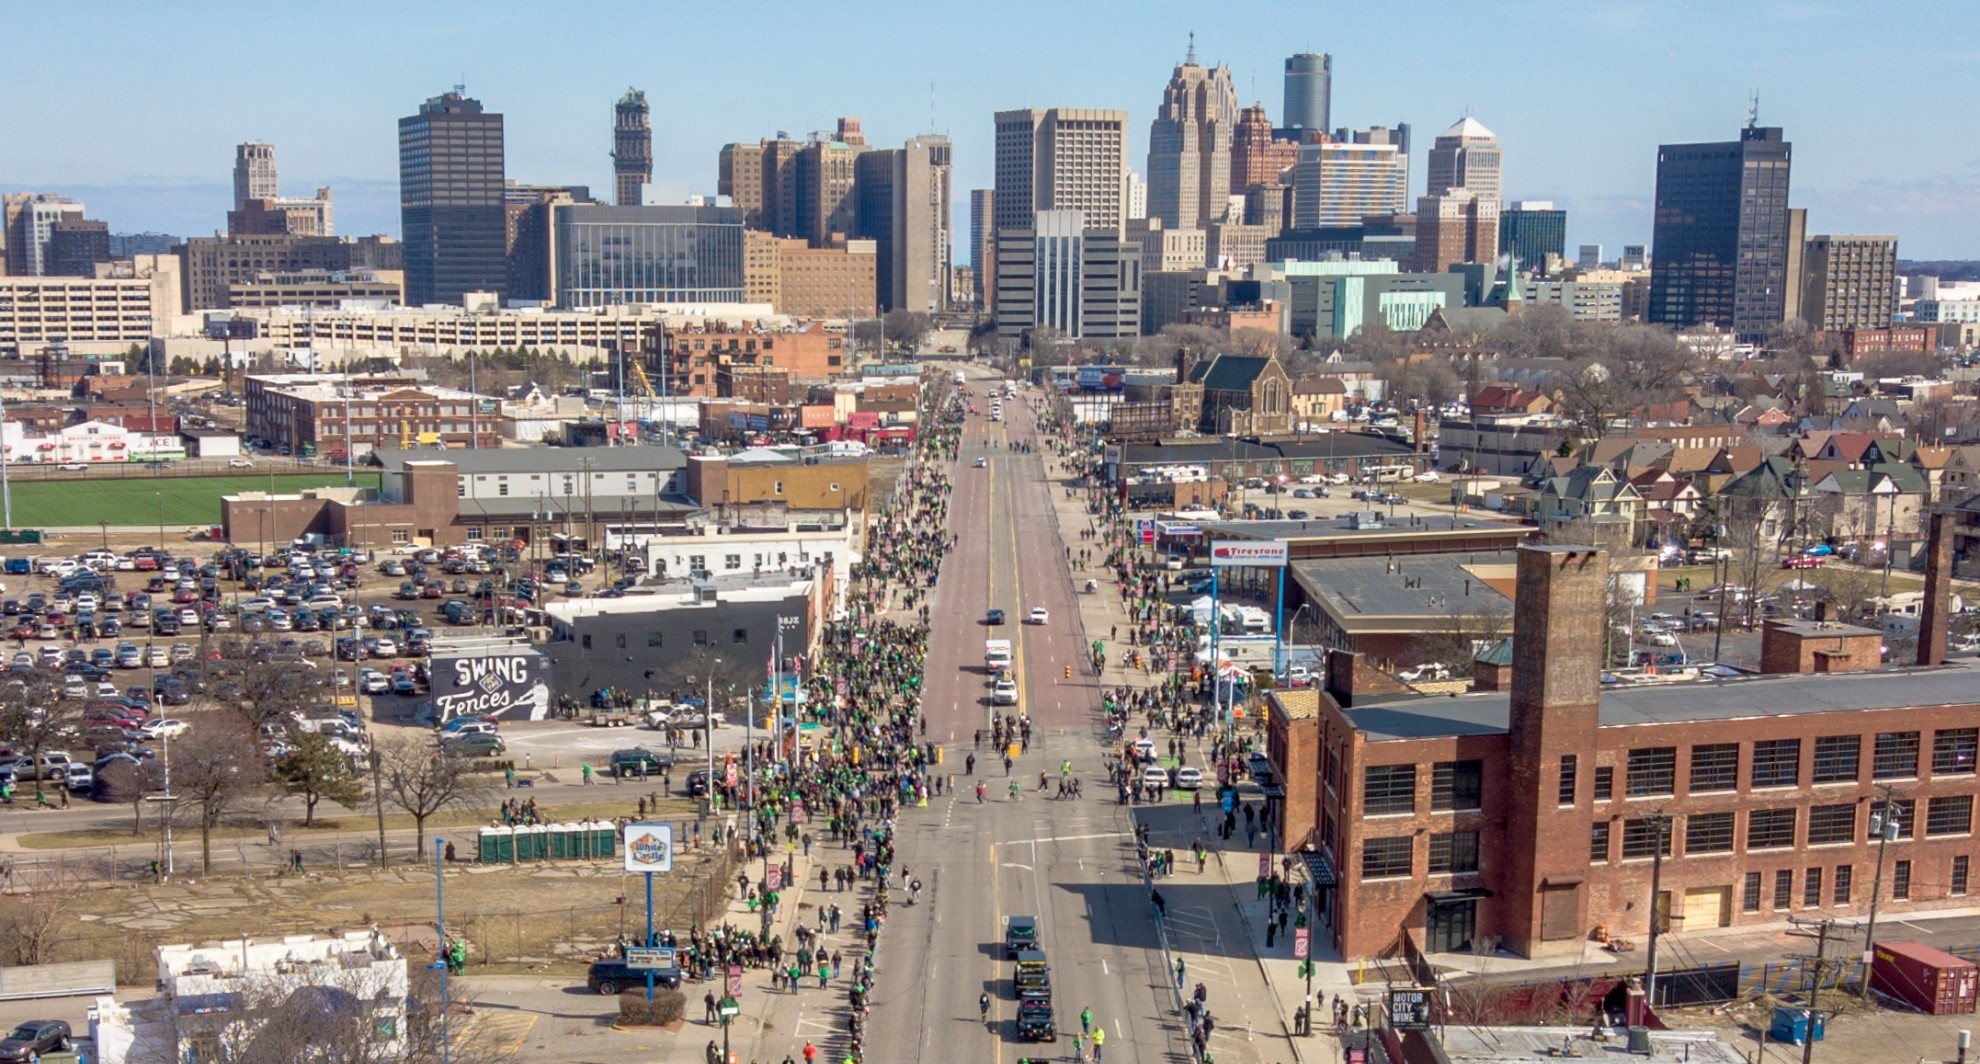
(460, 87)
(1753, 111)
(1190, 59)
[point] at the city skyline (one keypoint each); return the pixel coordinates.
(147, 156)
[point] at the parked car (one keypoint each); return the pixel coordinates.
(630, 761)
(28, 1041)
(609, 975)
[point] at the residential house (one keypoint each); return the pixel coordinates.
(1317, 399)
(1506, 399)
(1866, 505)
(1590, 493)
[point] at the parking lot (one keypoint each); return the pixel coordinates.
(123, 646)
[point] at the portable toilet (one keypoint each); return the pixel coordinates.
(498, 845)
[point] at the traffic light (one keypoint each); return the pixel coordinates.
(1068, 671)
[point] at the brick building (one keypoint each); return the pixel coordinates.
(366, 412)
(700, 361)
(1528, 817)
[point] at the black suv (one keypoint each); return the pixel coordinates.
(609, 975)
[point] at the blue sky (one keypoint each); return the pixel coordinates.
(136, 108)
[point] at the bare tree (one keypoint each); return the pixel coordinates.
(423, 780)
(33, 715)
(131, 783)
(1624, 368)
(264, 688)
(1259, 343)
(1749, 552)
(37, 916)
(1457, 640)
(216, 768)
(1849, 589)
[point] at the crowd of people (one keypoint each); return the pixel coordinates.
(849, 764)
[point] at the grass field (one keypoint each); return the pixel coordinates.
(134, 501)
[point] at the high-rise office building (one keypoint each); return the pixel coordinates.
(451, 169)
(1467, 155)
(827, 172)
(1531, 230)
(30, 219)
(1848, 282)
(260, 209)
(527, 236)
(1309, 93)
(1259, 158)
(1056, 273)
(982, 238)
(1720, 239)
(1052, 159)
(1457, 226)
(904, 208)
(254, 173)
(608, 256)
(76, 246)
(1189, 147)
(1339, 184)
(632, 146)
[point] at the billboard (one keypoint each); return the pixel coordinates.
(1230, 553)
(509, 682)
(1101, 379)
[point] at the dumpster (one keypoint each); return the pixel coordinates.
(498, 845)
(1791, 1024)
(1930, 980)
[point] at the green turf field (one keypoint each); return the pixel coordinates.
(189, 501)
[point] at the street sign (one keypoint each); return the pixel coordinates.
(645, 957)
(727, 1007)
(774, 878)
(1409, 1008)
(1302, 942)
(649, 847)
(735, 982)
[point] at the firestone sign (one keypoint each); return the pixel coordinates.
(1232, 553)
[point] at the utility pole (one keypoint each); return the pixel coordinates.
(1661, 821)
(1884, 825)
(1823, 932)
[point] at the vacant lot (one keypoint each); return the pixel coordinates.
(175, 502)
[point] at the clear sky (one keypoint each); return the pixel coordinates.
(136, 108)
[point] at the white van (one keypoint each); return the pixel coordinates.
(997, 654)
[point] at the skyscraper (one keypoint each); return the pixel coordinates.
(632, 146)
(982, 208)
(1720, 242)
(826, 173)
(1336, 184)
(1453, 227)
(451, 200)
(30, 219)
(1531, 230)
(1309, 92)
(254, 173)
(1056, 273)
(904, 208)
(1258, 158)
(1189, 147)
(1467, 155)
(1061, 159)
(1848, 282)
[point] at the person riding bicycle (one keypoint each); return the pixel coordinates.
(983, 1006)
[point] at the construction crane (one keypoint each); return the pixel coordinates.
(641, 385)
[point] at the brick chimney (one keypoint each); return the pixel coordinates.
(1421, 439)
(1561, 596)
(1182, 366)
(1349, 675)
(1935, 616)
